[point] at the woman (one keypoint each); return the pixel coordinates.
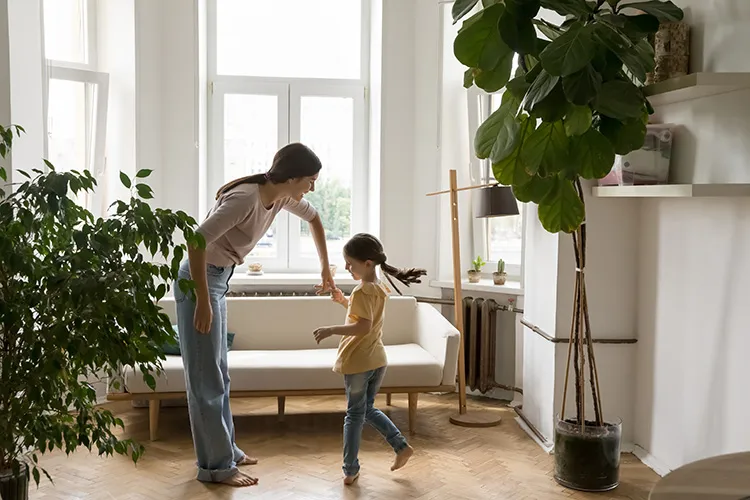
(244, 210)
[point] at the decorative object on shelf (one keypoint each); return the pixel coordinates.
(255, 269)
(333, 268)
(475, 273)
(645, 166)
(55, 257)
(671, 45)
(571, 105)
(499, 276)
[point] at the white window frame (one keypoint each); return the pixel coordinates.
(480, 108)
(97, 99)
(290, 92)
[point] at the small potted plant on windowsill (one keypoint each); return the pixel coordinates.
(476, 272)
(499, 276)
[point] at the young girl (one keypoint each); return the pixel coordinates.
(361, 354)
(245, 208)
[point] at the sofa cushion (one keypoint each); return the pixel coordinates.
(409, 365)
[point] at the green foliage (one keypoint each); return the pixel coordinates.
(333, 202)
(78, 301)
(500, 266)
(574, 103)
(478, 263)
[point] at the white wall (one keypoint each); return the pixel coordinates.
(693, 269)
(5, 81)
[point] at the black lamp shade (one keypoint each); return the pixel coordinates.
(495, 201)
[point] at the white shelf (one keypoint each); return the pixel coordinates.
(243, 279)
(694, 86)
(673, 191)
(484, 285)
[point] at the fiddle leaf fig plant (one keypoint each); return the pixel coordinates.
(575, 100)
(78, 301)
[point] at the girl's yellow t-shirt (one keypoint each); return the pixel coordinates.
(358, 354)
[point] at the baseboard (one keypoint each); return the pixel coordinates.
(651, 461)
(546, 446)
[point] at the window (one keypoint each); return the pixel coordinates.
(77, 94)
(501, 237)
(306, 83)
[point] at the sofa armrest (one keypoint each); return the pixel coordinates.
(440, 338)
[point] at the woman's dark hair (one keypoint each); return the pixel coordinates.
(290, 162)
(365, 246)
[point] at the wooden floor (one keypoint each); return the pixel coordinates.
(301, 459)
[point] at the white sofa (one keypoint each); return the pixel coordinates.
(274, 353)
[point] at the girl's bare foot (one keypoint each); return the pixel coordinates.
(247, 461)
(240, 480)
(349, 480)
(402, 457)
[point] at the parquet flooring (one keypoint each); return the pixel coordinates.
(301, 459)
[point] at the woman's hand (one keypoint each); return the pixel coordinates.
(327, 284)
(338, 296)
(203, 316)
(322, 333)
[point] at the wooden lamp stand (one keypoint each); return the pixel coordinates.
(476, 418)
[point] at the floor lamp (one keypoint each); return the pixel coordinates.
(494, 201)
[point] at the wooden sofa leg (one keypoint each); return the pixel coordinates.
(153, 417)
(388, 399)
(413, 398)
(282, 405)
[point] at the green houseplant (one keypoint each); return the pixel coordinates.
(574, 102)
(475, 273)
(78, 300)
(499, 276)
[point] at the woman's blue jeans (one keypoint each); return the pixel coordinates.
(207, 378)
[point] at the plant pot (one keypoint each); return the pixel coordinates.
(499, 278)
(14, 486)
(474, 276)
(588, 459)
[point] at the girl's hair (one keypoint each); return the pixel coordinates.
(365, 246)
(290, 162)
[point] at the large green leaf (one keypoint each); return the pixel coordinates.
(510, 171)
(478, 43)
(624, 136)
(578, 120)
(553, 107)
(666, 12)
(636, 27)
(545, 151)
(461, 8)
(637, 60)
(535, 190)
(542, 86)
(619, 99)
(548, 29)
(591, 154)
(489, 133)
(495, 79)
(583, 86)
(518, 87)
(577, 8)
(569, 52)
(516, 27)
(561, 209)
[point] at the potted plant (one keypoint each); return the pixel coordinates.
(475, 273)
(78, 300)
(574, 102)
(499, 276)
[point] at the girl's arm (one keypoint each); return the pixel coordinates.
(319, 236)
(354, 329)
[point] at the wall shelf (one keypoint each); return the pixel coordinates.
(673, 191)
(694, 86)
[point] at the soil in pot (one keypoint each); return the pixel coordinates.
(14, 486)
(587, 460)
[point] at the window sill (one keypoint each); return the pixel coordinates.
(484, 285)
(242, 278)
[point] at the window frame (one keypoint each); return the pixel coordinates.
(290, 91)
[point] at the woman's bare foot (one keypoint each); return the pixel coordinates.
(349, 480)
(247, 461)
(240, 480)
(402, 457)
